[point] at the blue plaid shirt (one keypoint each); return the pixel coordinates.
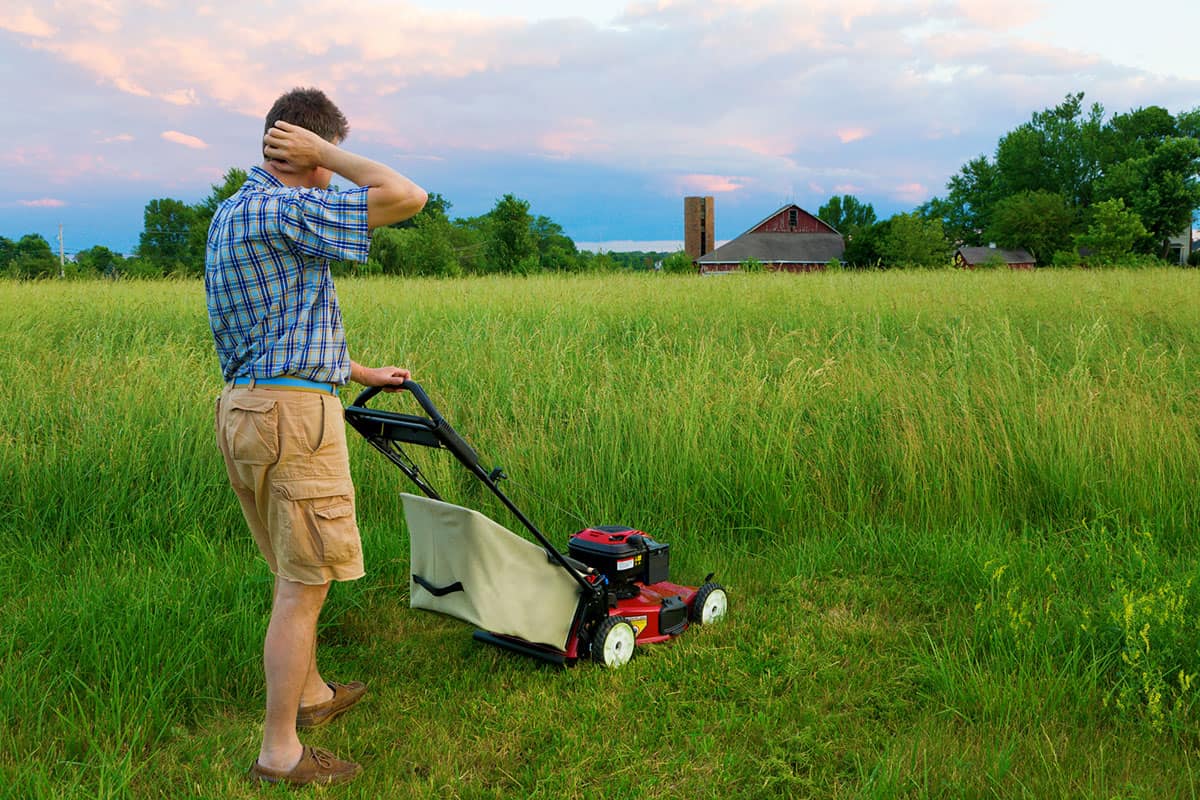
(271, 301)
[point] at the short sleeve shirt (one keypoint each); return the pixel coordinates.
(271, 300)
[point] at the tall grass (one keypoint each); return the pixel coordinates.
(956, 513)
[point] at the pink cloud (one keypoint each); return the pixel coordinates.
(762, 145)
(576, 136)
(26, 22)
(181, 97)
(848, 135)
(1000, 16)
(912, 192)
(185, 140)
(44, 202)
(716, 184)
(118, 139)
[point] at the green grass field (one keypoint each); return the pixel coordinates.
(956, 515)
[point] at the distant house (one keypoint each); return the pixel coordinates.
(972, 257)
(1180, 247)
(790, 240)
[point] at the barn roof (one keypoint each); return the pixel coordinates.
(789, 206)
(778, 248)
(981, 255)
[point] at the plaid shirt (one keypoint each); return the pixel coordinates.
(271, 301)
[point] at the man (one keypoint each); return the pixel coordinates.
(278, 333)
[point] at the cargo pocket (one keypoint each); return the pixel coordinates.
(252, 430)
(323, 527)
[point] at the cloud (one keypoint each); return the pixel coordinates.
(184, 139)
(25, 22)
(710, 184)
(120, 138)
(44, 202)
(848, 135)
(181, 97)
(573, 137)
(912, 192)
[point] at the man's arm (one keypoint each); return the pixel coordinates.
(389, 378)
(391, 197)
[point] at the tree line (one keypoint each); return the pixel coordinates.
(507, 239)
(1066, 186)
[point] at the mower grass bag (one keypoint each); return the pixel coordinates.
(469, 567)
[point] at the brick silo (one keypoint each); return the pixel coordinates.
(698, 226)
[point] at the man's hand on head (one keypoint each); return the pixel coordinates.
(295, 149)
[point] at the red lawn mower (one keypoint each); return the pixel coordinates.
(625, 597)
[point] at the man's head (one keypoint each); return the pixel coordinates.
(311, 109)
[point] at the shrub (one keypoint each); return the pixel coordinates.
(1066, 258)
(678, 262)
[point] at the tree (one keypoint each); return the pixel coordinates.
(1058, 150)
(1188, 123)
(598, 262)
(203, 213)
(965, 213)
(678, 263)
(387, 249)
(33, 258)
(864, 248)
(845, 214)
(1112, 233)
(912, 241)
(430, 250)
(234, 178)
(1039, 222)
(167, 242)
(98, 260)
(1135, 134)
(8, 251)
(556, 250)
(1160, 187)
(512, 246)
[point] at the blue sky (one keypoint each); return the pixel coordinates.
(603, 115)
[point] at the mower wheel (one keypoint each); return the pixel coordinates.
(710, 604)
(614, 641)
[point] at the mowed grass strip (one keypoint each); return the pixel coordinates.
(956, 514)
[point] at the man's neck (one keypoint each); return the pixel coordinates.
(292, 179)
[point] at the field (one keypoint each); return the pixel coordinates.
(956, 515)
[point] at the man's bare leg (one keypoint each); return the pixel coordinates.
(315, 689)
(288, 661)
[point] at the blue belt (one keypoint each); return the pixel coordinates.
(287, 383)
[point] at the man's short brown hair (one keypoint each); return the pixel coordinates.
(311, 109)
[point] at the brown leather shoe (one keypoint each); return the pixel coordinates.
(316, 766)
(344, 696)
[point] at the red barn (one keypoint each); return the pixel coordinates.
(972, 257)
(790, 240)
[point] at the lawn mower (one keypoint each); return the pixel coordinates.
(610, 591)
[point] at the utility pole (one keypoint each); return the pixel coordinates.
(62, 259)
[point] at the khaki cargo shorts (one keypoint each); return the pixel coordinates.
(285, 451)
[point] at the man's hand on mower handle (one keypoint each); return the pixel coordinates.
(387, 378)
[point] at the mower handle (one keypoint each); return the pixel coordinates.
(449, 437)
(410, 386)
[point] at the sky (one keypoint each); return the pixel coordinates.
(603, 115)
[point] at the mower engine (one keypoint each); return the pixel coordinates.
(625, 556)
